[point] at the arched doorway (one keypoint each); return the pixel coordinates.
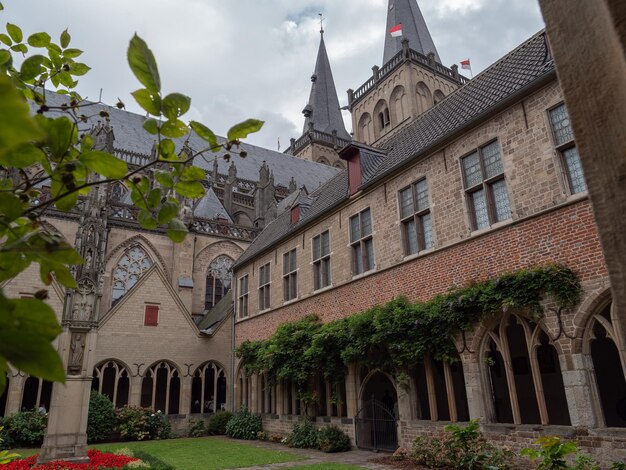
(376, 421)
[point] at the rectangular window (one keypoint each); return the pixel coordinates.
(243, 297)
(151, 315)
(361, 242)
(417, 227)
(565, 145)
(483, 178)
(290, 275)
(321, 260)
(264, 287)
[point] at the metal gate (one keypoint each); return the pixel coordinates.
(376, 427)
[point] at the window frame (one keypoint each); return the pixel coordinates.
(242, 296)
(564, 147)
(418, 217)
(321, 265)
(486, 185)
(290, 276)
(361, 244)
(264, 287)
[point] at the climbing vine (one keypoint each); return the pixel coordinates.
(397, 335)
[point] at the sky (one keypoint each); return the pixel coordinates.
(240, 59)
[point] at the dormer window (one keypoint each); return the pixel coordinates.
(295, 214)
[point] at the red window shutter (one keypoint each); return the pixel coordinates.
(152, 315)
(295, 214)
(354, 173)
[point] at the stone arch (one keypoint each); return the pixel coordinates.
(590, 306)
(218, 280)
(132, 264)
(323, 161)
(209, 390)
(424, 98)
(243, 387)
(161, 387)
(242, 218)
(380, 386)
(399, 105)
(520, 362)
(339, 165)
(603, 345)
(438, 96)
(366, 128)
(112, 378)
(382, 119)
(138, 239)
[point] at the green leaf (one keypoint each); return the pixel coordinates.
(175, 105)
(164, 178)
(1, 8)
(146, 220)
(148, 100)
(65, 39)
(86, 143)
(79, 69)
(176, 230)
(104, 164)
(11, 264)
(15, 32)
(31, 67)
(20, 48)
(5, 56)
(39, 39)
(241, 130)
(174, 129)
(67, 202)
(154, 198)
(64, 277)
(151, 126)
(205, 133)
(191, 190)
(61, 135)
(27, 329)
(193, 173)
(6, 39)
(143, 64)
(22, 156)
(168, 211)
(72, 53)
(10, 207)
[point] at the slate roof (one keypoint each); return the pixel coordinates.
(130, 136)
(209, 207)
(524, 67)
(323, 103)
(414, 29)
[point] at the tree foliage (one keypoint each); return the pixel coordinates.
(399, 334)
(50, 148)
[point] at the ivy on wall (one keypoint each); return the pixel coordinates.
(399, 334)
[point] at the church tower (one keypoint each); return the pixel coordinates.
(324, 132)
(410, 81)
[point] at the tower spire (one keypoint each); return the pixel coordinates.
(407, 14)
(322, 112)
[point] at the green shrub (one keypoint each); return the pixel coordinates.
(25, 428)
(244, 425)
(553, 452)
(304, 436)
(463, 448)
(196, 428)
(217, 423)
(101, 419)
(333, 439)
(141, 424)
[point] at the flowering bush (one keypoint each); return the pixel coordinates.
(244, 425)
(97, 460)
(139, 424)
(24, 429)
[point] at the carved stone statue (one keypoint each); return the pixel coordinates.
(77, 351)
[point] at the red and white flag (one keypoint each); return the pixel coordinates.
(396, 30)
(465, 64)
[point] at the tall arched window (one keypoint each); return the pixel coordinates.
(440, 391)
(208, 389)
(3, 397)
(366, 131)
(244, 388)
(424, 98)
(602, 340)
(111, 378)
(524, 374)
(398, 103)
(131, 266)
(160, 388)
(37, 393)
(218, 280)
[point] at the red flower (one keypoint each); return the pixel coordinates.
(97, 460)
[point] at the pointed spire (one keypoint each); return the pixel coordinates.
(407, 14)
(322, 109)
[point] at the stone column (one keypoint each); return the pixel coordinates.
(404, 401)
(352, 391)
(576, 370)
(474, 387)
(185, 395)
(14, 394)
(254, 393)
(134, 398)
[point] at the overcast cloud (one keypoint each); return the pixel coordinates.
(253, 58)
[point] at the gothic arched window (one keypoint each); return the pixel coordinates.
(131, 266)
(602, 342)
(111, 379)
(208, 389)
(524, 374)
(37, 393)
(218, 280)
(160, 388)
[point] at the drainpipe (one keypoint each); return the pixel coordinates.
(232, 347)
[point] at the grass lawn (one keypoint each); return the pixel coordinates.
(201, 453)
(325, 466)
